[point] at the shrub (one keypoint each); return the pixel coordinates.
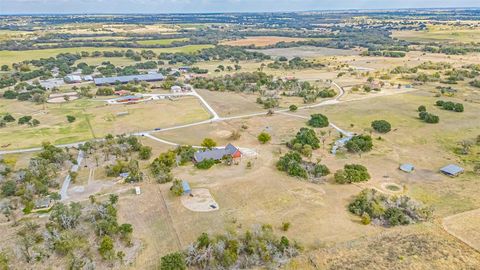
(381, 126)
(205, 164)
(24, 119)
(106, 248)
(8, 118)
(285, 226)
(35, 122)
(293, 108)
(177, 187)
(290, 163)
(145, 152)
(352, 173)
(71, 118)
(264, 137)
(318, 121)
(385, 210)
(422, 108)
(321, 170)
(173, 261)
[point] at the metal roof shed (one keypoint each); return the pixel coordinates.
(186, 187)
(407, 167)
(452, 170)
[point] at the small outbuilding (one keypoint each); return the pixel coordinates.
(408, 168)
(186, 188)
(43, 203)
(176, 89)
(452, 170)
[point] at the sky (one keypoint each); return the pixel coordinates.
(197, 6)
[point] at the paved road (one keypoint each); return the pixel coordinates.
(68, 179)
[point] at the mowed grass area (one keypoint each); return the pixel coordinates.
(440, 34)
(10, 57)
(166, 41)
(94, 119)
(260, 41)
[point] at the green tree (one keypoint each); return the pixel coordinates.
(8, 118)
(359, 143)
(24, 119)
(177, 187)
(145, 152)
(306, 136)
(173, 261)
(293, 108)
(352, 173)
(264, 137)
(422, 108)
(106, 249)
(35, 122)
(318, 121)
(381, 126)
(209, 143)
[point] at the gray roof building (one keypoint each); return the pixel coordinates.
(216, 153)
(151, 77)
(407, 167)
(452, 170)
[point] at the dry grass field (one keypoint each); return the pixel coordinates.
(94, 120)
(260, 41)
(441, 33)
(464, 226)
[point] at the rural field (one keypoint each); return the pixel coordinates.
(212, 140)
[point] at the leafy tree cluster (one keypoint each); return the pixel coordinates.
(293, 165)
(352, 173)
(264, 137)
(393, 54)
(268, 103)
(381, 126)
(429, 117)
(388, 211)
(295, 63)
(359, 144)
(252, 249)
(205, 164)
(450, 106)
(304, 137)
(318, 121)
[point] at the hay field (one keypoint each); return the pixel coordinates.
(166, 41)
(260, 41)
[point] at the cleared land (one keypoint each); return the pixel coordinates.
(441, 34)
(10, 57)
(307, 51)
(464, 226)
(94, 119)
(260, 41)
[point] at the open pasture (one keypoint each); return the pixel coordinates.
(260, 41)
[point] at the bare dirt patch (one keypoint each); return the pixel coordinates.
(200, 201)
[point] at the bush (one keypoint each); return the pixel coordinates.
(106, 248)
(177, 187)
(264, 137)
(145, 152)
(381, 126)
(8, 118)
(293, 108)
(352, 173)
(209, 143)
(290, 163)
(205, 164)
(318, 121)
(321, 170)
(24, 119)
(359, 143)
(428, 117)
(422, 108)
(173, 261)
(71, 118)
(385, 210)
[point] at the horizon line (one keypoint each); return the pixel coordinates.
(242, 12)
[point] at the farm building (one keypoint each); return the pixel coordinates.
(217, 153)
(151, 77)
(73, 79)
(452, 170)
(407, 168)
(43, 203)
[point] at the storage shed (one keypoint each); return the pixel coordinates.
(452, 170)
